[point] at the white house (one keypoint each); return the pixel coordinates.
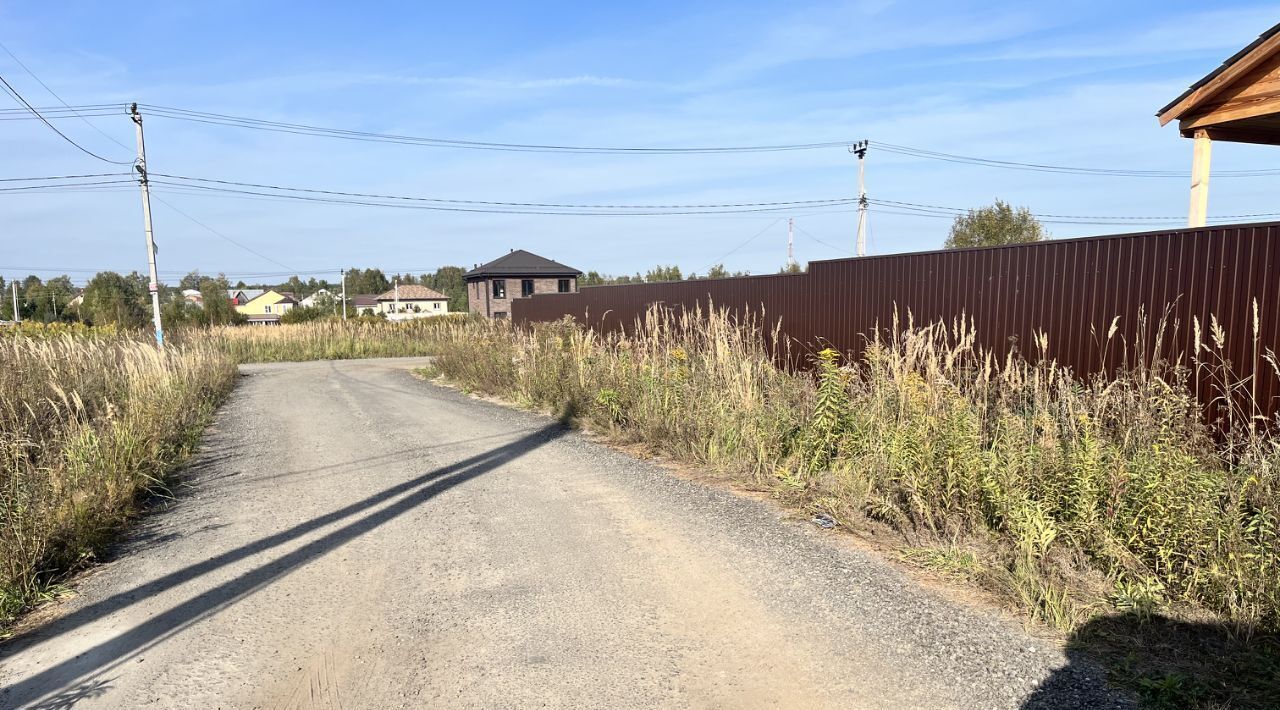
(320, 296)
(412, 301)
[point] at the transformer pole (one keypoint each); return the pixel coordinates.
(860, 149)
(141, 167)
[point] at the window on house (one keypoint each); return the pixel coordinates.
(526, 288)
(436, 305)
(499, 288)
(266, 309)
(499, 314)
(562, 286)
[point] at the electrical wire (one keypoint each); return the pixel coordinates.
(216, 233)
(953, 211)
(805, 232)
(14, 93)
(54, 94)
(1071, 170)
(731, 252)
(62, 177)
(304, 129)
(798, 203)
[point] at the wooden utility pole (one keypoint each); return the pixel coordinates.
(1199, 210)
(141, 167)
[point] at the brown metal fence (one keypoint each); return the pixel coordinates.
(1071, 289)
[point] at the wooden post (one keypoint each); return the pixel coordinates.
(1199, 179)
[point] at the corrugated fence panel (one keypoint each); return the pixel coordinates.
(1072, 290)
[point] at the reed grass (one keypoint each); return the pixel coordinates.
(1083, 495)
(89, 421)
(330, 339)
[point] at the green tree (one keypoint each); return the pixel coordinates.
(792, 267)
(217, 308)
(449, 281)
(112, 298)
(663, 273)
(302, 314)
(366, 281)
(191, 281)
(177, 312)
(592, 278)
(995, 225)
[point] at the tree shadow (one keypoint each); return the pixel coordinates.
(1166, 664)
(70, 698)
(112, 652)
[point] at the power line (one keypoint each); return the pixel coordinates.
(800, 203)
(215, 232)
(1072, 170)
(825, 244)
(59, 98)
(14, 93)
(66, 185)
(62, 177)
(731, 252)
(1118, 218)
(346, 134)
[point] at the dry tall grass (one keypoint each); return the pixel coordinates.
(1071, 497)
(88, 421)
(329, 339)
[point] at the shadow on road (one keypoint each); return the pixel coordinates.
(1167, 664)
(112, 652)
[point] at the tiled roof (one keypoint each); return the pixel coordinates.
(414, 292)
(522, 263)
(364, 300)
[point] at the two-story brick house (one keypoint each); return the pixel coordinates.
(491, 287)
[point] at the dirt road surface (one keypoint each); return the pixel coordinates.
(351, 537)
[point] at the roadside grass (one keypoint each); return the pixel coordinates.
(90, 420)
(329, 339)
(1084, 496)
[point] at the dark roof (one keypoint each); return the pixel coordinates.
(1225, 66)
(522, 263)
(365, 300)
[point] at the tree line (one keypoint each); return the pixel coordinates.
(124, 299)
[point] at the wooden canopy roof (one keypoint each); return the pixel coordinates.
(1239, 101)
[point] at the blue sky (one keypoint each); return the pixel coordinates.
(1070, 84)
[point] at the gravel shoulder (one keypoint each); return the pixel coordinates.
(350, 536)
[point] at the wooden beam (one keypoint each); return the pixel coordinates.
(1231, 134)
(1221, 81)
(1199, 210)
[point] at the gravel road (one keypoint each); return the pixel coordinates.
(352, 537)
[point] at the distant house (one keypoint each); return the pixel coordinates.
(319, 296)
(412, 301)
(491, 287)
(267, 307)
(364, 304)
(191, 295)
(241, 296)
